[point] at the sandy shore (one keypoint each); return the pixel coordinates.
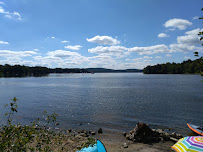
(114, 142)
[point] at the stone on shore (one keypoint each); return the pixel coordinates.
(93, 133)
(125, 145)
(142, 133)
(100, 130)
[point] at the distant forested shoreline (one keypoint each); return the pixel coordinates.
(24, 71)
(37, 71)
(186, 67)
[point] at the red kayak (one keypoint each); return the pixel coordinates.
(196, 129)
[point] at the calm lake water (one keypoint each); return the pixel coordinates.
(113, 101)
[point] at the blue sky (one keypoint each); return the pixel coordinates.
(117, 34)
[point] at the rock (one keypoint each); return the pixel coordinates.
(159, 131)
(173, 139)
(173, 135)
(179, 136)
(83, 131)
(100, 131)
(84, 135)
(124, 133)
(161, 138)
(78, 136)
(166, 134)
(56, 124)
(93, 133)
(153, 129)
(166, 138)
(142, 133)
(125, 145)
(69, 130)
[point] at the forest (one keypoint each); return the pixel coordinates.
(186, 67)
(23, 71)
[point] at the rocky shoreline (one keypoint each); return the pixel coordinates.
(142, 137)
(142, 133)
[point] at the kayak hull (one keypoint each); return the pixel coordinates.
(195, 128)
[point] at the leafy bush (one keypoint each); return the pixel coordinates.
(33, 137)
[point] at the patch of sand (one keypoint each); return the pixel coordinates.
(114, 142)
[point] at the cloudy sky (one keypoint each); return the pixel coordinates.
(117, 34)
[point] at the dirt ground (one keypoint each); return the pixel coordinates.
(114, 142)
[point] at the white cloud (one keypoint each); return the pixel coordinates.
(74, 47)
(2, 3)
(3, 42)
(17, 15)
(64, 41)
(10, 15)
(150, 49)
(2, 10)
(168, 55)
(194, 32)
(148, 57)
(188, 42)
(62, 53)
(181, 48)
(111, 49)
(36, 49)
(178, 23)
(186, 57)
(53, 37)
(62, 58)
(9, 53)
(172, 29)
(162, 35)
(103, 40)
(195, 18)
(105, 61)
(191, 37)
(158, 57)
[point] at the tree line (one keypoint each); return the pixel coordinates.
(186, 67)
(23, 71)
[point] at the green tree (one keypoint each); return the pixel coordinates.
(201, 33)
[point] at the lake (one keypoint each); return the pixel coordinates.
(112, 101)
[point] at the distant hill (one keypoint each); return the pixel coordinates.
(103, 70)
(186, 67)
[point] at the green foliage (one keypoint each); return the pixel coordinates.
(23, 71)
(186, 67)
(201, 33)
(91, 142)
(31, 137)
(197, 53)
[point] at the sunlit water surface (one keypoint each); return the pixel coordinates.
(113, 101)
